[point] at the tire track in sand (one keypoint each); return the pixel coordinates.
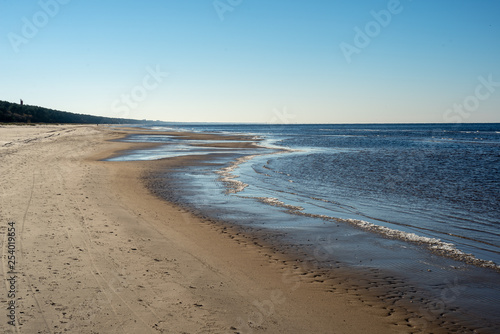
(106, 286)
(23, 257)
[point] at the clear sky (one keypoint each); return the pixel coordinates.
(270, 61)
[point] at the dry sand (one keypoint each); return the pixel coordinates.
(96, 252)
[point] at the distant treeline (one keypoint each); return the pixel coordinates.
(16, 113)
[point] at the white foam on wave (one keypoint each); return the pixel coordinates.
(276, 202)
(434, 244)
(227, 177)
(437, 245)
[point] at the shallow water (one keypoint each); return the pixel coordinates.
(421, 201)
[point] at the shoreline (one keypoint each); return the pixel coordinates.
(99, 252)
(390, 293)
(381, 287)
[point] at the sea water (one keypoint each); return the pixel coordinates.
(420, 200)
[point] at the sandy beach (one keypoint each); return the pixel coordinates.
(96, 252)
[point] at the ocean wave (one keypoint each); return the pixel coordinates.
(275, 202)
(227, 177)
(435, 245)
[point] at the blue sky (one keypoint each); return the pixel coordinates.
(280, 61)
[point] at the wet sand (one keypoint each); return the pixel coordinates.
(96, 251)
